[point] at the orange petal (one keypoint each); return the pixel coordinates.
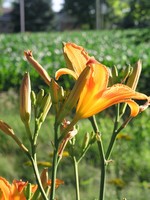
(134, 108)
(76, 57)
(4, 189)
(97, 81)
(65, 71)
(116, 94)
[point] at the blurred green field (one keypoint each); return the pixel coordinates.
(131, 156)
(111, 47)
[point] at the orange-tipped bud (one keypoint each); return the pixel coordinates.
(6, 128)
(25, 99)
(42, 72)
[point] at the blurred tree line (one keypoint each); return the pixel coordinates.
(40, 16)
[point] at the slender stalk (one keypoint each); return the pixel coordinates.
(55, 163)
(114, 133)
(38, 180)
(28, 131)
(76, 178)
(54, 172)
(102, 157)
(113, 138)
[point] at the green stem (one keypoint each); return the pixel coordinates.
(28, 131)
(54, 172)
(55, 163)
(113, 138)
(38, 180)
(33, 159)
(102, 157)
(114, 133)
(76, 178)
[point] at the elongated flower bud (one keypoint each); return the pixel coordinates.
(40, 96)
(25, 99)
(113, 75)
(6, 128)
(43, 73)
(74, 94)
(44, 177)
(134, 77)
(9, 131)
(45, 106)
(54, 87)
(86, 140)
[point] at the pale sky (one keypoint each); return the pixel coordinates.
(56, 4)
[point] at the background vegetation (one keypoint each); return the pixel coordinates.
(128, 174)
(112, 47)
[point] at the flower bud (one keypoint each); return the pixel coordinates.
(42, 72)
(25, 99)
(6, 128)
(85, 141)
(54, 87)
(74, 94)
(135, 75)
(44, 177)
(45, 106)
(39, 97)
(33, 97)
(113, 75)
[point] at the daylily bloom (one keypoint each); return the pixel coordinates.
(76, 58)
(13, 191)
(96, 96)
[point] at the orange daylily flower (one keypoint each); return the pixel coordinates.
(76, 58)
(96, 96)
(14, 191)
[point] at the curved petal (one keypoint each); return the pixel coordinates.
(4, 189)
(65, 71)
(97, 81)
(116, 94)
(76, 57)
(134, 108)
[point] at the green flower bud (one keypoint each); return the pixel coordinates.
(39, 97)
(45, 106)
(85, 141)
(33, 97)
(135, 75)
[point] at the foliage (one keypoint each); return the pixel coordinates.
(125, 14)
(121, 47)
(83, 11)
(38, 15)
(130, 13)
